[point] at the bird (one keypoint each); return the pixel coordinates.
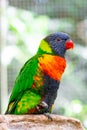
(36, 86)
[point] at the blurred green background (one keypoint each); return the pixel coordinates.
(23, 23)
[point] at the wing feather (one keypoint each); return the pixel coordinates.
(23, 81)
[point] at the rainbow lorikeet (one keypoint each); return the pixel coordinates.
(36, 86)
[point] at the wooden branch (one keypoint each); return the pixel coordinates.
(38, 122)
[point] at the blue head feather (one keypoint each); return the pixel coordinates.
(57, 42)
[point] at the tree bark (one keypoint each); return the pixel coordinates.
(38, 122)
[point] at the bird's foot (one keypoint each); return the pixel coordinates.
(42, 106)
(48, 115)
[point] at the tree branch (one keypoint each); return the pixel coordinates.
(38, 122)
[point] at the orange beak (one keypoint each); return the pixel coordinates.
(69, 44)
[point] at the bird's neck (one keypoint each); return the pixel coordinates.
(44, 48)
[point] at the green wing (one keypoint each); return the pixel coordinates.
(23, 82)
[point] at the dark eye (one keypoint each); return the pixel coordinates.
(58, 39)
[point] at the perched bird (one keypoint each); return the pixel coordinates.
(35, 88)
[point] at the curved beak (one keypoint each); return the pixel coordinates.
(69, 44)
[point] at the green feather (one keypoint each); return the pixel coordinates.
(26, 103)
(23, 82)
(44, 48)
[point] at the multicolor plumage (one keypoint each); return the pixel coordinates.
(36, 86)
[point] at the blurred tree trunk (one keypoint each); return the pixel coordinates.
(3, 67)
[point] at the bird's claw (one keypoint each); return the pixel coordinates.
(42, 105)
(48, 115)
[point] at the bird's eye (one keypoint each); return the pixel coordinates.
(58, 39)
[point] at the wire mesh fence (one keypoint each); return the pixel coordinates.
(28, 21)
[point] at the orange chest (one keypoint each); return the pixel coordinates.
(53, 66)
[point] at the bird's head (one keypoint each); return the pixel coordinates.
(56, 43)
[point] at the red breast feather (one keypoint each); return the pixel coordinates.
(53, 66)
